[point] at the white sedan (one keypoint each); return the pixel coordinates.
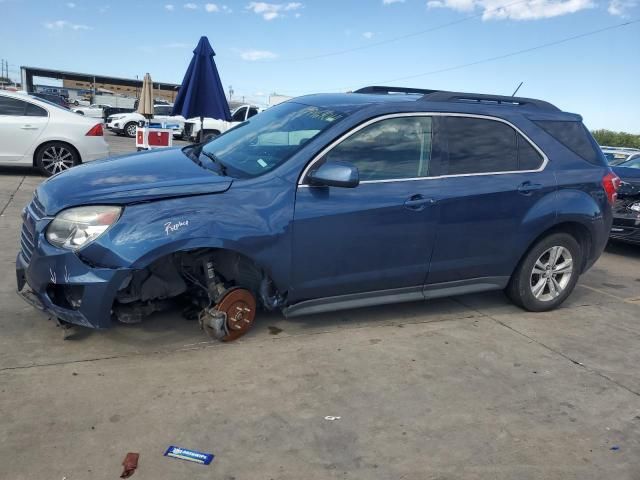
(34, 132)
(95, 110)
(125, 123)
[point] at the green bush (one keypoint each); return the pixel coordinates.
(616, 139)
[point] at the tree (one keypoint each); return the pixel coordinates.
(616, 139)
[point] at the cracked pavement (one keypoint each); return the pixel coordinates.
(466, 387)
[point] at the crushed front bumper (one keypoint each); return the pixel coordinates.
(59, 283)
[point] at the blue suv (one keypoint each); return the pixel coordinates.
(322, 203)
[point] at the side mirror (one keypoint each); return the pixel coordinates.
(335, 174)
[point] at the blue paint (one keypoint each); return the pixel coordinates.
(189, 455)
(314, 242)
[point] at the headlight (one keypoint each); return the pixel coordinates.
(635, 207)
(78, 226)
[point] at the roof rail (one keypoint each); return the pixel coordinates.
(390, 90)
(483, 99)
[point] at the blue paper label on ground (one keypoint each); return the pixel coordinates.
(189, 455)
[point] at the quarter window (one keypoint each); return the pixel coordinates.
(239, 115)
(389, 149)
(35, 111)
(479, 145)
(11, 106)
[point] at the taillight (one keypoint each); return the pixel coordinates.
(96, 131)
(611, 182)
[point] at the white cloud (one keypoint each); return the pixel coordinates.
(64, 24)
(526, 10)
(104, 8)
(620, 7)
(211, 7)
(389, 2)
(190, 6)
(270, 11)
(70, 5)
(368, 35)
(226, 9)
(255, 55)
(169, 7)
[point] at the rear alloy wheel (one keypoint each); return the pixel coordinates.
(548, 274)
(130, 129)
(56, 157)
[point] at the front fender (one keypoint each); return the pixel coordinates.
(252, 219)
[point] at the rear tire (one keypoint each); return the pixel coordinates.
(55, 157)
(547, 274)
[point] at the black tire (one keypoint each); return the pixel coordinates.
(525, 280)
(129, 130)
(55, 157)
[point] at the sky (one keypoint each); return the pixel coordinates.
(300, 47)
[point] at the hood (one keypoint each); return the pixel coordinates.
(139, 177)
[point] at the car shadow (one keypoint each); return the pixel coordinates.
(616, 247)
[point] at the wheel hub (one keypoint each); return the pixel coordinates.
(232, 316)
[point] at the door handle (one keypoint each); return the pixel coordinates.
(28, 127)
(527, 187)
(418, 202)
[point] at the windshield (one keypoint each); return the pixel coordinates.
(265, 141)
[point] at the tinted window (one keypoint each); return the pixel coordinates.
(253, 112)
(35, 111)
(528, 157)
(239, 115)
(162, 110)
(480, 146)
(575, 137)
(389, 149)
(11, 106)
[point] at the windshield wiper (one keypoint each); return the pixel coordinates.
(211, 156)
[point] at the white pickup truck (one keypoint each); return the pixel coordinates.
(213, 128)
(125, 123)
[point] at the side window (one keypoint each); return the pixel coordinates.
(389, 149)
(528, 157)
(11, 106)
(574, 136)
(240, 114)
(35, 111)
(478, 145)
(252, 112)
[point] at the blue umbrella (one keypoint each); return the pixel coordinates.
(201, 93)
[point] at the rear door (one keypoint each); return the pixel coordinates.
(21, 123)
(492, 178)
(379, 235)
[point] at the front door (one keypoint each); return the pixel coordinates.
(379, 235)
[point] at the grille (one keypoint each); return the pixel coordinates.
(33, 213)
(188, 129)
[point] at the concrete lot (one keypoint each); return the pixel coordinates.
(469, 387)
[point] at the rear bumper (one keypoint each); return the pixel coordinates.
(95, 152)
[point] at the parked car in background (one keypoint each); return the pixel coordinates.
(327, 202)
(626, 212)
(126, 123)
(214, 127)
(35, 132)
(617, 155)
(95, 110)
(53, 98)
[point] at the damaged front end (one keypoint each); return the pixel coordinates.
(626, 214)
(221, 289)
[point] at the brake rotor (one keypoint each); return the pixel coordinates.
(239, 307)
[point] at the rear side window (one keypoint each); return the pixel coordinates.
(574, 136)
(35, 111)
(11, 106)
(479, 145)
